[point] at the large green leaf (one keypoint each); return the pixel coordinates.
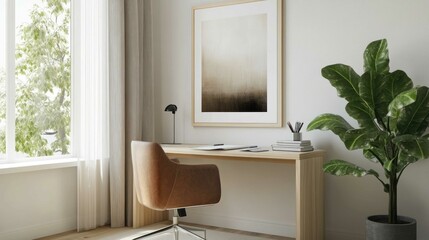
(370, 88)
(391, 85)
(376, 147)
(359, 138)
(414, 146)
(398, 104)
(343, 168)
(414, 118)
(404, 158)
(369, 155)
(374, 154)
(331, 122)
(362, 113)
(344, 79)
(376, 57)
(395, 83)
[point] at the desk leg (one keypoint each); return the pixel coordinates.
(309, 199)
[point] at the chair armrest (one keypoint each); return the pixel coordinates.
(195, 185)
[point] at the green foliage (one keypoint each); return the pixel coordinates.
(332, 122)
(391, 113)
(343, 168)
(2, 111)
(43, 84)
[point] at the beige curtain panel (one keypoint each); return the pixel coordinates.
(114, 61)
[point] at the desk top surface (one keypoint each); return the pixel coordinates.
(188, 151)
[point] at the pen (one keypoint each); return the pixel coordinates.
(218, 144)
(290, 126)
(298, 126)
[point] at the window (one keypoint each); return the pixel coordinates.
(35, 78)
(2, 80)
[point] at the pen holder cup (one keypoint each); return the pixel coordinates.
(297, 136)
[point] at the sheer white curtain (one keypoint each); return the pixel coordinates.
(98, 68)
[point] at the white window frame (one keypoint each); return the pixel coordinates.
(34, 163)
(10, 79)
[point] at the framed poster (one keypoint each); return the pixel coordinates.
(237, 64)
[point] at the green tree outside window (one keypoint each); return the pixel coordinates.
(43, 81)
(2, 111)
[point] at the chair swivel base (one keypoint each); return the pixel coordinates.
(176, 229)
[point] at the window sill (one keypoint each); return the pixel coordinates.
(7, 168)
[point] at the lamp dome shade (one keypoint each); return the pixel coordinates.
(171, 108)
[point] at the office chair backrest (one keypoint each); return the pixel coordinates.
(154, 174)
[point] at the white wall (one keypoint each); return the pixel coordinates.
(37, 204)
(317, 33)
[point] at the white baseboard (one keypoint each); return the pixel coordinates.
(256, 225)
(251, 225)
(39, 230)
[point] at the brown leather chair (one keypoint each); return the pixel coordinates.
(164, 184)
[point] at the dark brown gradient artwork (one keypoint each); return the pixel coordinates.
(234, 64)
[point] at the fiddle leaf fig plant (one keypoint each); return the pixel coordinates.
(392, 117)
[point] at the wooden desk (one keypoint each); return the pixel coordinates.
(309, 181)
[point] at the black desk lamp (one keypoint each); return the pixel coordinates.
(172, 108)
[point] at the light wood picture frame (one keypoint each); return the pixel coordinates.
(237, 64)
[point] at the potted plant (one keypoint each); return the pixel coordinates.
(392, 117)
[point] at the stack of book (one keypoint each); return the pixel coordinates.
(293, 146)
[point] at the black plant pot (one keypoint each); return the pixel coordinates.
(377, 228)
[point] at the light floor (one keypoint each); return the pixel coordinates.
(213, 233)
